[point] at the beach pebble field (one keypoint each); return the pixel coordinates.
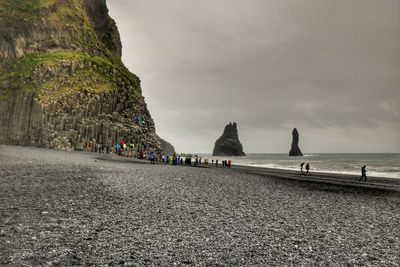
(75, 208)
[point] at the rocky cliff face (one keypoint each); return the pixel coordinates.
(295, 150)
(167, 148)
(228, 144)
(62, 82)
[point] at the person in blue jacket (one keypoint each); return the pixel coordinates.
(152, 157)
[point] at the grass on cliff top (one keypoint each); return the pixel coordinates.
(26, 5)
(92, 81)
(68, 15)
(98, 75)
(24, 66)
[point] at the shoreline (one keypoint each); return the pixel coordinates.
(378, 164)
(339, 179)
(342, 179)
(349, 173)
(384, 183)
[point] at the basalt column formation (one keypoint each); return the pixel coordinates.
(62, 81)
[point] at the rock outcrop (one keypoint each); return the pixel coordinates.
(295, 150)
(62, 81)
(228, 144)
(167, 148)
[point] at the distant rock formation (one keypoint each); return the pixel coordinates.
(228, 144)
(167, 148)
(295, 150)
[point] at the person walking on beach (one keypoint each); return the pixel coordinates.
(363, 173)
(301, 167)
(307, 167)
(216, 163)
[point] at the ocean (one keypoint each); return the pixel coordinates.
(378, 164)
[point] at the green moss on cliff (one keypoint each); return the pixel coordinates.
(68, 16)
(26, 5)
(69, 26)
(54, 74)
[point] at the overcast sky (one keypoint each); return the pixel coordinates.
(329, 68)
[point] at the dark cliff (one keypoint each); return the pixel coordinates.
(295, 150)
(62, 82)
(167, 148)
(228, 144)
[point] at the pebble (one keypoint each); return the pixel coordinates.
(131, 214)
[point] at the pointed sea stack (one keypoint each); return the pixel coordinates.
(295, 151)
(228, 144)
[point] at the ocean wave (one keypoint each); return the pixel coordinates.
(384, 174)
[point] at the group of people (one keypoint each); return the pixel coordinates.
(225, 163)
(171, 159)
(98, 148)
(121, 149)
(188, 160)
(307, 168)
(141, 121)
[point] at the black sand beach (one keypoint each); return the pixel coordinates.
(74, 208)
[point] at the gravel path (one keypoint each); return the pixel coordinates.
(64, 208)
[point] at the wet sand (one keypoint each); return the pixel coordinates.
(75, 208)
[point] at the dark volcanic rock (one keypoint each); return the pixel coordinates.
(62, 81)
(228, 144)
(295, 150)
(167, 148)
(105, 27)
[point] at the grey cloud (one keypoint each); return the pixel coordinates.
(330, 68)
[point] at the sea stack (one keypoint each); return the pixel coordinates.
(228, 144)
(295, 150)
(62, 81)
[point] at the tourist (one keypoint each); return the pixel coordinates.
(363, 173)
(125, 149)
(216, 163)
(307, 167)
(229, 163)
(152, 157)
(301, 167)
(118, 149)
